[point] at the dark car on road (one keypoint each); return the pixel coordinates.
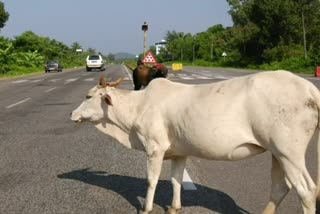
(53, 65)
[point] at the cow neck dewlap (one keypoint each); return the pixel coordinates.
(124, 108)
(114, 131)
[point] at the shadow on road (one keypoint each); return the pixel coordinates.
(130, 188)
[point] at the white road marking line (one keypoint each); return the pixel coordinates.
(20, 81)
(187, 183)
(205, 71)
(130, 77)
(37, 80)
(89, 79)
(50, 89)
(222, 77)
(22, 101)
(70, 80)
(201, 77)
(187, 78)
(205, 78)
(54, 80)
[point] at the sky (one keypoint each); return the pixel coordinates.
(112, 26)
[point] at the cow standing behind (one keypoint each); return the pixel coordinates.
(229, 120)
(142, 74)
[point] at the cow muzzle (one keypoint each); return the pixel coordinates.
(75, 117)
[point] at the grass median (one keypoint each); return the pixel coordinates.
(17, 71)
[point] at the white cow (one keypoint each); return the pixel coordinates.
(229, 120)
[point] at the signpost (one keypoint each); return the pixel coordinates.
(144, 29)
(224, 54)
(149, 59)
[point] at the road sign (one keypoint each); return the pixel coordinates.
(149, 58)
(177, 66)
(224, 54)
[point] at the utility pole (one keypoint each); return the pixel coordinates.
(193, 54)
(144, 29)
(304, 35)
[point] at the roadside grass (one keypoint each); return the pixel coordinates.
(295, 65)
(131, 63)
(18, 71)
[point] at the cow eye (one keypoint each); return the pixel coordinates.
(88, 97)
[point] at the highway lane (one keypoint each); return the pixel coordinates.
(51, 165)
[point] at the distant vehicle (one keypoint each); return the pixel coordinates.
(95, 62)
(53, 65)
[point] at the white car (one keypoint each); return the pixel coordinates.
(95, 62)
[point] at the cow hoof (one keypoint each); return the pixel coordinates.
(173, 211)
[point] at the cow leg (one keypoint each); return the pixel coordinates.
(154, 162)
(136, 82)
(298, 176)
(137, 86)
(279, 188)
(177, 167)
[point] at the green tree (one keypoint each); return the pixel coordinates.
(111, 57)
(179, 45)
(268, 29)
(75, 46)
(211, 43)
(91, 51)
(152, 48)
(308, 11)
(240, 10)
(4, 15)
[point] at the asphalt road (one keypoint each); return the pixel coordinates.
(49, 164)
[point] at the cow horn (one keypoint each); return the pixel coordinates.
(116, 83)
(102, 81)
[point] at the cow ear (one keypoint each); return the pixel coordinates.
(108, 100)
(116, 83)
(102, 81)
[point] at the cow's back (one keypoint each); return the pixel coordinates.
(220, 115)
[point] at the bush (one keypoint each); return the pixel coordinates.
(283, 53)
(4, 69)
(204, 63)
(29, 59)
(298, 65)
(15, 70)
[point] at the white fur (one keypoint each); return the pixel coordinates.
(228, 120)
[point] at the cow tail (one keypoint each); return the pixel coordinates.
(318, 152)
(316, 96)
(318, 160)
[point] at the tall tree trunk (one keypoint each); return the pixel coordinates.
(244, 42)
(304, 36)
